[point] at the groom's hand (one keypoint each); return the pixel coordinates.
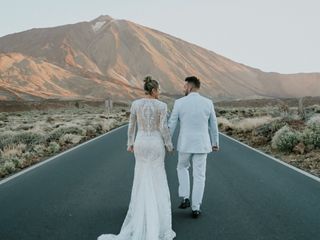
(215, 148)
(130, 149)
(169, 149)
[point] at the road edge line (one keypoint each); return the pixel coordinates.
(7, 179)
(275, 159)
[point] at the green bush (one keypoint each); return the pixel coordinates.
(311, 135)
(69, 138)
(4, 139)
(9, 167)
(39, 149)
(269, 129)
(285, 139)
(57, 133)
(3, 172)
(53, 147)
(17, 161)
(90, 131)
(29, 138)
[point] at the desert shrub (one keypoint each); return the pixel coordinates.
(285, 139)
(106, 125)
(3, 172)
(28, 137)
(57, 133)
(224, 124)
(97, 127)
(69, 138)
(24, 127)
(18, 162)
(269, 129)
(53, 147)
(4, 138)
(29, 155)
(271, 111)
(90, 131)
(4, 117)
(57, 125)
(248, 124)
(39, 149)
(11, 151)
(311, 135)
(50, 119)
(8, 167)
(315, 119)
(314, 108)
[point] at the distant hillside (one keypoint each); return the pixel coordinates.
(109, 58)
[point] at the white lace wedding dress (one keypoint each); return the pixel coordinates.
(149, 213)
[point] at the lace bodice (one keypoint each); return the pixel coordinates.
(149, 115)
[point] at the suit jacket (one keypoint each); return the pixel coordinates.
(198, 124)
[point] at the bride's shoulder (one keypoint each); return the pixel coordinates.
(162, 104)
(136, 101)
(133, 103)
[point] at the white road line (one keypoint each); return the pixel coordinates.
(56, 156)
(275, 159)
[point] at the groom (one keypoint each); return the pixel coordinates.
(198, 136)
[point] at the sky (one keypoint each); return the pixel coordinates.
(272, 35)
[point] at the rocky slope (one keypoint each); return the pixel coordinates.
(107, 57)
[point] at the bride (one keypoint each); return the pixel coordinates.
(149, 212)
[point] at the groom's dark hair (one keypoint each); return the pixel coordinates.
(194, 81)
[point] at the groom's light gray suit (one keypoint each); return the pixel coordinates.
(198, 133)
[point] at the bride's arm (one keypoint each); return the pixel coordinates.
(164, 129)
(132, 126)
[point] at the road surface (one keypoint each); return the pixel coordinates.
(85, 192)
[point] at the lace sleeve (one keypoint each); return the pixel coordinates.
(132, 125)
(164, 129)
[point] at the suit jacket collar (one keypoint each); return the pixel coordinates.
(193, 93)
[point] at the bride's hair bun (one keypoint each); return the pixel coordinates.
(150, 84)
(147, 79)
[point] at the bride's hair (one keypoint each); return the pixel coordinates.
(150, 84)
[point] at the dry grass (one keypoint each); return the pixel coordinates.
(281, 133)
(11, 151)
(251, 123)
(29, 137)
(244, 124)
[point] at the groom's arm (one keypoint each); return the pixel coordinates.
(174, 118)
(213, 127)
(165, 132)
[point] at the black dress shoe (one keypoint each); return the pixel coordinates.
(196, 213)
(185, 204)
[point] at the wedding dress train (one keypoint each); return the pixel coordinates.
(149, 213)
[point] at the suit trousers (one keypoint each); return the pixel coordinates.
(199, 161)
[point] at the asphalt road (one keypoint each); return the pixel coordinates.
(85, 192)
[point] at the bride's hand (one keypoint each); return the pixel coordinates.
(130, 149)
(170, 149)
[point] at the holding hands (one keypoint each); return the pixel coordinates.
(215, 148)
(130, 149)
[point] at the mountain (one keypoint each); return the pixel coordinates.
(107, 57)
